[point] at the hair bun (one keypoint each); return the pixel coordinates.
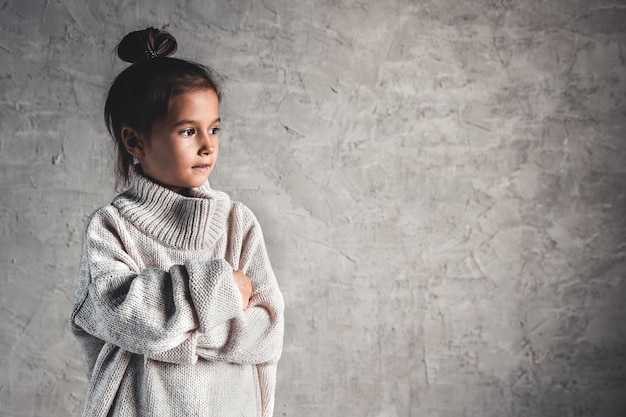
(146, 44)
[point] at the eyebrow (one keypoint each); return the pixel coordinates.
(190, 122)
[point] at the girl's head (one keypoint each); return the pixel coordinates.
(162, 109)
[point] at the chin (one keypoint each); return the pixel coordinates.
(197, 184)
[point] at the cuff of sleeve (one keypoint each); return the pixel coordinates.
(214, 293)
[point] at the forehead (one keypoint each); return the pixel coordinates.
(194, 105)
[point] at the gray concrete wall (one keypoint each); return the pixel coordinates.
(441, 185)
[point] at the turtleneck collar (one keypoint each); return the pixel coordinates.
(191, 223)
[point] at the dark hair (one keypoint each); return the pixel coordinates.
(141, 94)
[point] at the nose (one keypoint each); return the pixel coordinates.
(208, 145)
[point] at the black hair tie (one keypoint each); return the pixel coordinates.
(149, 54)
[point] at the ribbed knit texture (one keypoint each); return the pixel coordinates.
(158, 316)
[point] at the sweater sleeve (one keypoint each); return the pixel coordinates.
(146, 311)
(253, 336)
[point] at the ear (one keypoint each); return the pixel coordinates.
(132, 142)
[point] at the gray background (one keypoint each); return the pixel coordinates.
(441, 185)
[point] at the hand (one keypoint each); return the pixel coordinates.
(244, 285)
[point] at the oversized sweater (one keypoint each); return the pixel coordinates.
(157, 314)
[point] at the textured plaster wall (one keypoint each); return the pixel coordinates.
(441, 185)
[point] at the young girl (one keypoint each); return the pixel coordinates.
(177, 310)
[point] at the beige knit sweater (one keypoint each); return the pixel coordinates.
(158, 317)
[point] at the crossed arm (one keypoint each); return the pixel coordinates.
(200, 309)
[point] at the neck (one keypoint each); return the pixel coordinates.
(191, 221)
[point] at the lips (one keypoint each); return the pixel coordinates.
(202, 167)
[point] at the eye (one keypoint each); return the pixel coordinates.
(188, 132)
(214, 130)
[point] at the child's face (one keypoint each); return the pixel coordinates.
(182, 149)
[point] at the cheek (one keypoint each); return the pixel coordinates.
(180, 152)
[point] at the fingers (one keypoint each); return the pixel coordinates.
(244, 285)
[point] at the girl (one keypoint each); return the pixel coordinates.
(177, 310)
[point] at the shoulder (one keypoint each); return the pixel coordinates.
(106, 214)
(240, 209)
(104, 221)
(242, 218)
